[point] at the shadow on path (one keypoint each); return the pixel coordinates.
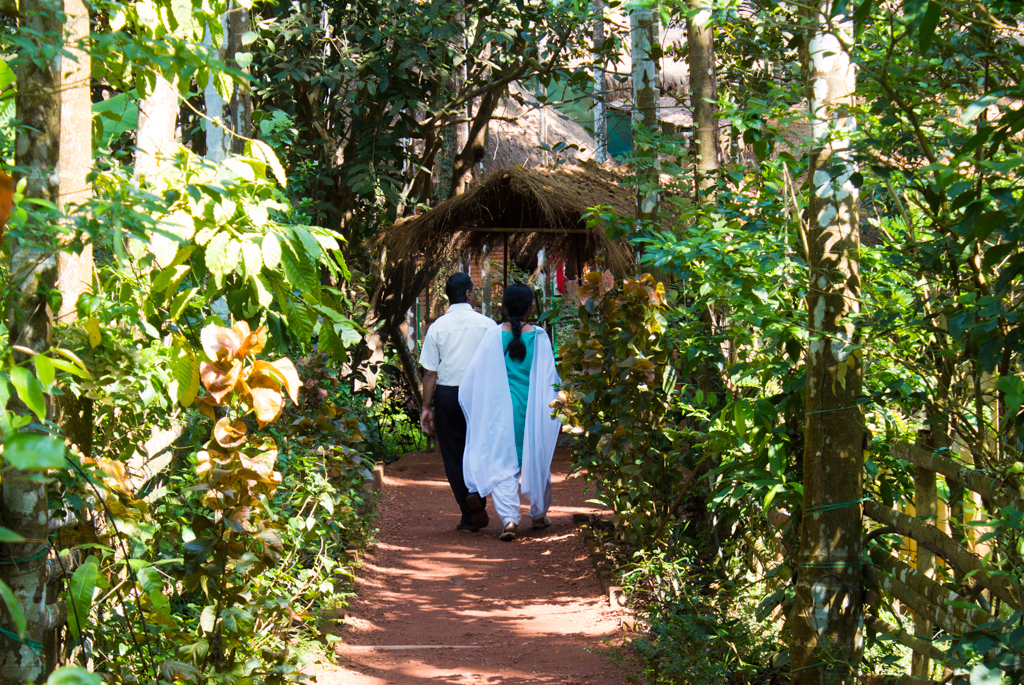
(440, 606)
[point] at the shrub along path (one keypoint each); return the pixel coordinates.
(440, 606)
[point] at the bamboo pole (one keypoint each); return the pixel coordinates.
(903, 637)
(920, 604)
(931, 590)
(968, 476)
(961, 560)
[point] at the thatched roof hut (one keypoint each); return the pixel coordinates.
(521, 210)
(525, 209)
(513, 138)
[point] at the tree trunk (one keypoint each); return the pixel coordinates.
(158, 117)
(30, 323)
(475, 148)
(217, 144)
(925, 507)
(645, 105)
(600, 86)
(826, 621)
(234, 114)
(239, 110)
(700, 41)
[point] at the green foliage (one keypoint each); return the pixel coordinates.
(352, 78)
(699, 628)
(624, 398)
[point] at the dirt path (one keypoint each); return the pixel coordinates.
(441, 606)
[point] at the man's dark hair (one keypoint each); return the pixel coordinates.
(456, 286)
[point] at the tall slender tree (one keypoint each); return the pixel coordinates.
(827, 617)
(700, 42)
(644, 58)
(30, 323)
(600, 87)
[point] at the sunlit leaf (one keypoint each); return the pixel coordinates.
(289, 377)
(228, 434)
(219, 379)
(264, 153)
(14, 608)
(29, 390)
(44, 371)
(222, 344)
(34, 452)
(254, 342)
(92, 329)
(80, 589)
(271, 248)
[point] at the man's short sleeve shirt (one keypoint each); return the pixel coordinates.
(451, 340)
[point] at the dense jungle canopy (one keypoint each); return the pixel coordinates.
(801, 400)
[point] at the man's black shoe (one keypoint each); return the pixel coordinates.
(468, 527)
(477, 506)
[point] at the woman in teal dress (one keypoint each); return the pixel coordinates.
(506, 395)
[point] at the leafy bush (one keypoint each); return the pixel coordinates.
(628, 406)
(698, 629)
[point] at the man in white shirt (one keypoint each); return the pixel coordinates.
(447, 350)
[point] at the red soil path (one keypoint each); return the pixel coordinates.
(440, 606)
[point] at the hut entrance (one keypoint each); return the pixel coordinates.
(521, 212)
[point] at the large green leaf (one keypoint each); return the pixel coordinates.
(29, 390)
(300, 271)
(310, 244)
(34, 452)
(115, 116)
(271, 250)
(264, 153)
(80, 590)
(185, 370)
(12, 606)
(7, 80)
(223, 255)
(300, 320)
(73, 675)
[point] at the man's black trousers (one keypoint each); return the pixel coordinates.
(450, 425)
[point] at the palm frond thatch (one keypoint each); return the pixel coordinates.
(530, 208)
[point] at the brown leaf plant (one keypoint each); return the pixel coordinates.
(235, 539)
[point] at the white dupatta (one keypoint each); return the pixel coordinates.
(486, 400)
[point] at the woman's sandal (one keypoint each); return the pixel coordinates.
(509, 533)
(542, 522)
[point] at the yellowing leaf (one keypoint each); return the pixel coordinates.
(219, 379)
(254, 342)
(265, 394)
(289, 376)
(185, 370)
(222, 344)
(228, 434)
(264, 153)
(92, 329)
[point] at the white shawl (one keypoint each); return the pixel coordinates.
(486, 400)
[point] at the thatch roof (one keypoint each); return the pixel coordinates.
(513, 137)
(530, 208)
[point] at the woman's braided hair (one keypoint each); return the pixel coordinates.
(517, 300)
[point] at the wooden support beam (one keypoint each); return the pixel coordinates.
(968, 476)
(962, 560)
